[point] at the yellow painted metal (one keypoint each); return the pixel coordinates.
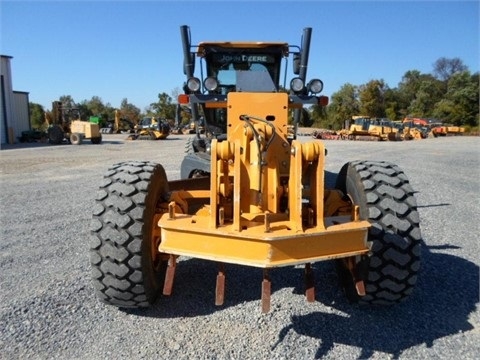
(216, 105)
(191, 236)
(267, 205)
(86, 128)
(264, 148)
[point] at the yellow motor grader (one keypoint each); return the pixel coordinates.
(250, 194)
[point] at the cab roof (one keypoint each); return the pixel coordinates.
(204, 47)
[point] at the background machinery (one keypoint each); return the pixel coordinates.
(366, 128)
(151, 128)
(118, 126)
(66, 124)
(250, 194)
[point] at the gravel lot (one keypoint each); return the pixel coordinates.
(48, 310)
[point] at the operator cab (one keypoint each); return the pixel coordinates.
(249, 67)
(234, 66)
(243, 66)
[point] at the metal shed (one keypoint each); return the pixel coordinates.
(14, 110)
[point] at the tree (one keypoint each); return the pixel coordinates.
(67, 104)
(95, 107)
(445, 68)
(429, 92)
(319, 117)
(344, 105)
(392, 104)
(418, 93)
(407, 90)
(37, 116)
(129, 111)
(164, 108)
(67, 101)
(372, 99)
(460, 104)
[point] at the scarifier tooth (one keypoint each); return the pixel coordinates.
(309, 283)
(266, 292)
(220, 286)
(169, 276)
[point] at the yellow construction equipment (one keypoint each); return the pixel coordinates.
(366, 128)
(119, 125)
(383, 129)
(251, 195)
(414, 131)
(455, 130)
(65, 125)
(151, 128)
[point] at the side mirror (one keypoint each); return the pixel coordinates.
(296, 63)
(190, 66)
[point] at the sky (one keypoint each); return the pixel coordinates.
(132, 49)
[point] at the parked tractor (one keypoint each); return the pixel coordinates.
(251, 194)
(66, 125)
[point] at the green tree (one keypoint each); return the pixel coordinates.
(164, 108)
(37, 116)
(460, 104)
(407, 90)
(129, 111)
(67, 101)
(372, 98)
(319, 117)
(96, 107)
(418, 93)
(83, 110)
(392, 104)
(429, 92)
(344, 105)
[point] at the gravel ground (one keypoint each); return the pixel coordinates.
(48, 310)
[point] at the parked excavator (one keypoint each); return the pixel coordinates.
(250, 194)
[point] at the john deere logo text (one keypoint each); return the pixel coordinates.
(243, 58)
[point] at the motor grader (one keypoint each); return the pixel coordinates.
(252, 195)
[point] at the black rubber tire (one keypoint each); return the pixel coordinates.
(189, 145)
(55, 134)
(97, 140)
(124, 271)
(76, 139)
(386, 199)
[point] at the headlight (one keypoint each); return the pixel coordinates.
(297, 85)
(315, 86)
(193, 84)
(210, 83)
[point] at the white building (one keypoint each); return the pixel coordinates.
(14, 110)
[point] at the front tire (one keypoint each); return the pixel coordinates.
(96, 140)
(386, 199)
(55, 134)
(76, 139)
(127, 269)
